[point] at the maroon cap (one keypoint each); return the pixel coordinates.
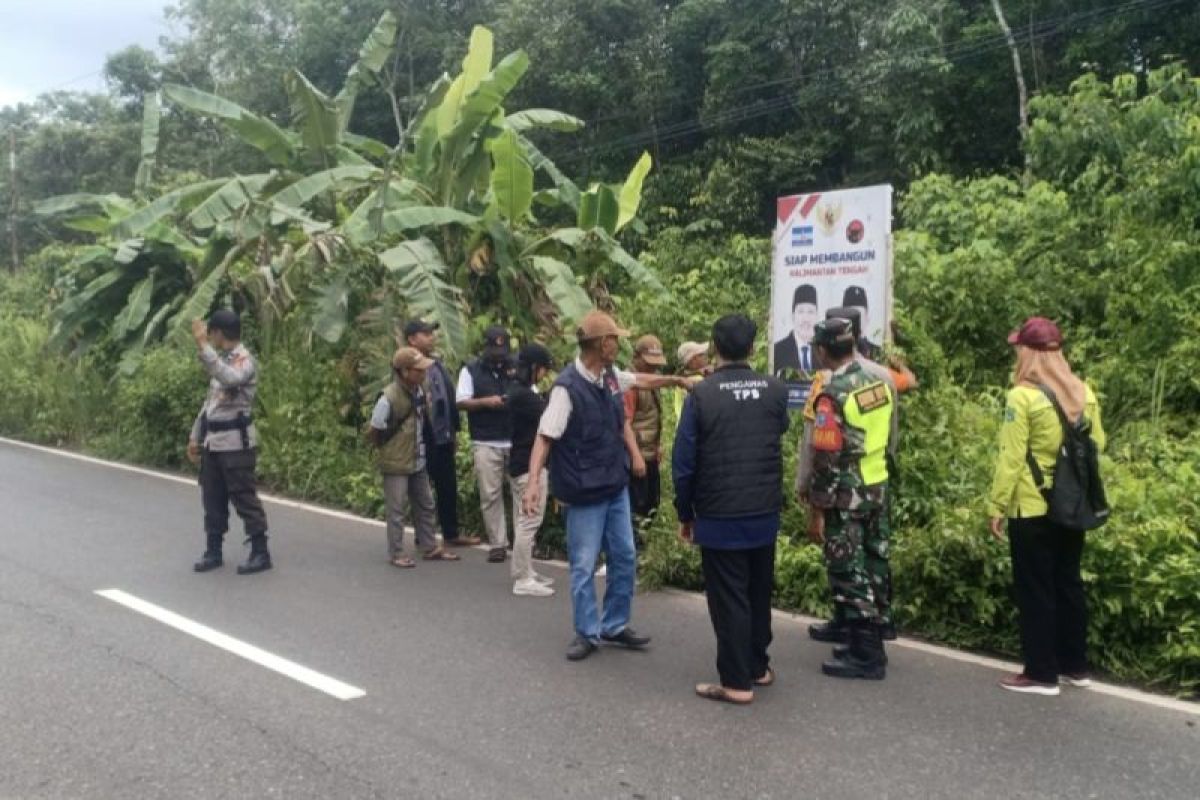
(1037, 333)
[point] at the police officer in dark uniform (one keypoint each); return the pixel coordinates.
(224, 442)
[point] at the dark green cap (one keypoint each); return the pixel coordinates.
(836, 330)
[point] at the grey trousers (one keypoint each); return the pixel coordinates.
(400, 492)
(526, 528)
(491, 472)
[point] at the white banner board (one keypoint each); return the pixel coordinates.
(830, 249)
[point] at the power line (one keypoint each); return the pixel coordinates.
(957, 53)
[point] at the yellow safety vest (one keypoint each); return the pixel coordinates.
(870, 410)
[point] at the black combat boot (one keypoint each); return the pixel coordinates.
(259, 560)
(212, 555)
(841, 650)
(864, 658)
(833, 631)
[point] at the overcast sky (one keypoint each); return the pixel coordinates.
(61, 44)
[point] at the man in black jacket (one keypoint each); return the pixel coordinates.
(727, 466)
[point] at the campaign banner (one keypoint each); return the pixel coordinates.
(830, 250)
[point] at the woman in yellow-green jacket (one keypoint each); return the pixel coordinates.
(1045, 556)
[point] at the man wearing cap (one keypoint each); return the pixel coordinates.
(586, 440)
(526, 405)
(224, 442)
(693, 361)
(727, 466)
(396, 431)
(848, 492)
(878, 564)
(441, 432)
(482, 387)
(794, 353)
(856, 297)
(643, 409)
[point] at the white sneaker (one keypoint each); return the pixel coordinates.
(1080, 680)
(531, 588)
(544, 580)
(603, 571)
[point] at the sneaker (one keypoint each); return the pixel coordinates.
(1026, 685)
(544, 580)
(532, 588)
(1080, 680)
(497, 555)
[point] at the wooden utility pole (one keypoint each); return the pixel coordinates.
(14, 201)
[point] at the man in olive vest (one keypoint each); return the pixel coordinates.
(396, 431)
(441, 432)
(848, 490)
(643, 409)
(224, 442)
(727, 467)
(483, 385)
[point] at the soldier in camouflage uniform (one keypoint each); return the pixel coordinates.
(849, 488)
(224, 442)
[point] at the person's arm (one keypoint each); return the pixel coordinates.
(650, 380)
(380, 417)
(828, 440)
(550, 429)
(1098, 434)
(465, 397)
(683, 468)
(1010, 462)
(452, 391)
(637, 463)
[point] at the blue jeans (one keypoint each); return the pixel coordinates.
(603, 526)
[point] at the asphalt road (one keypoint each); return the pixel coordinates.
(467, 691)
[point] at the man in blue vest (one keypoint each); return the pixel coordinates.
(727, 467)
(587, 440)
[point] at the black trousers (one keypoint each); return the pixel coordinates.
(444, 476)
(228, 478)
(645, 494)
(1050, 597)
(738, 585)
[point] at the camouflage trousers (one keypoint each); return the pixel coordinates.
(856, 558)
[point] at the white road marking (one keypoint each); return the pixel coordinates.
(1112, 690)
(311, 678)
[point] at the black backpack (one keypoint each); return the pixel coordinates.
(1076, 499)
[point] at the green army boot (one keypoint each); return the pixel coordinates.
(864, 658)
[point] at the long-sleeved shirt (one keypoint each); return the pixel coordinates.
(1031, 425)
(727, 533)
(233, 382)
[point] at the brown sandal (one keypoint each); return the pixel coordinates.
(766, 679)
(713, 691)
(403, 562)
(440, 554)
